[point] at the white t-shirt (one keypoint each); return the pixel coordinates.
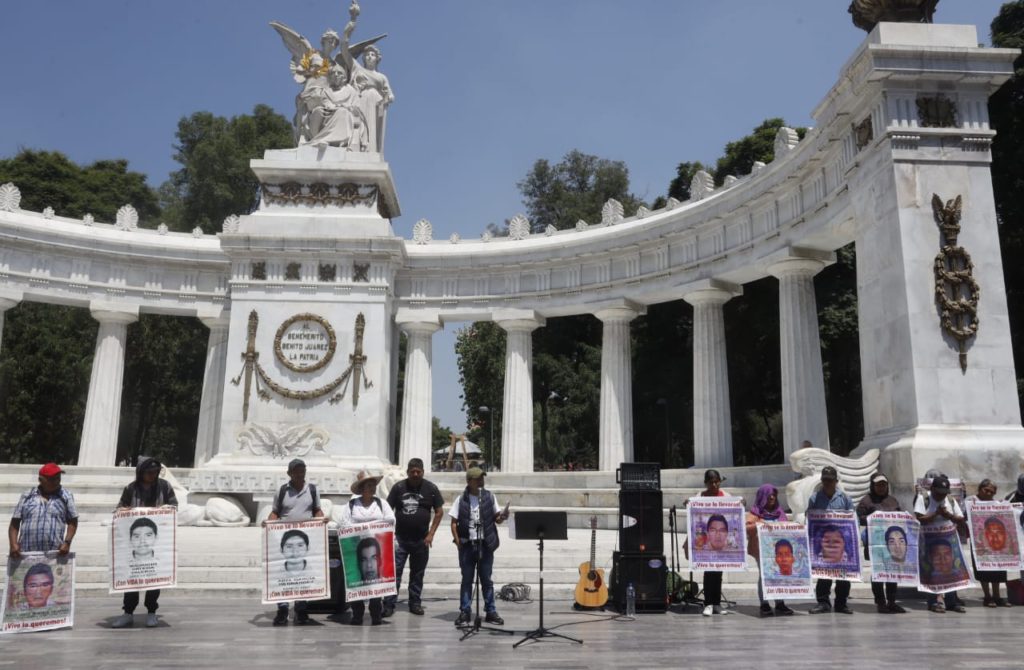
(927, 505)
(361, 513)
(474, 514)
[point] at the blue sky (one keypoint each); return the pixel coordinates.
(483, 88)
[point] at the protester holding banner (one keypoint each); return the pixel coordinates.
(42, 515)
(363, 507)
(934, 509)
(718, 528)
(991, 532)
(879, 500)
(830, 498)
(765, 510)
(148, 490)
(295, 501)
(475, 517)
(419, 508)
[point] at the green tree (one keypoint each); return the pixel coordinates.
(214, 180)
(1006, 111)
(759, 145)
(679, 187)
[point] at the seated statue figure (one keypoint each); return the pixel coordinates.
(335, 119)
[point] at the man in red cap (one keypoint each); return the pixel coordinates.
(42, 515)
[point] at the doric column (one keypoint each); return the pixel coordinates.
(417, 394)
(208, 433)
(6, 302)
(615, 442)
(103, 408)
(803, 386)
(712, 419)
(517, 414)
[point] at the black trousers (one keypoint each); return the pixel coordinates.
(712, 588)
(823, 588)
(885, 592)
(131, 601)
(359, 606)
(417, 554)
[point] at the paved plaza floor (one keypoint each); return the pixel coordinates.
(237, 633)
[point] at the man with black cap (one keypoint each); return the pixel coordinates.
(830, 497)
(148, 490)
(933, 509)
(42, 516)
(475, 516)
(295, 501)
(413, 499)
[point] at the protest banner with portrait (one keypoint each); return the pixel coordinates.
(295, 561)
(785, 560)
(943, 567)
(1018, 514)
(143, 549)
(892, 544)
(368, 560)
(718, 532)
(835, 545)
(993, 534)
(40, 593)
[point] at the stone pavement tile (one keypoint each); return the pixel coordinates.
(236, 633)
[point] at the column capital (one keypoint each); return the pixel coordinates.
(9, 299)
(522, 320)
(214, 318)
(111, 312)
(618, 310)
(419, 327)
(711, 292)
(405, 316)
(800, 262)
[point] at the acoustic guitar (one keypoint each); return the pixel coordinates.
(591, 591)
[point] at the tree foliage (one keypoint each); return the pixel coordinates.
(214, 180)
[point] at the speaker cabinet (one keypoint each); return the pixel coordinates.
(648, 574)
(641, 522)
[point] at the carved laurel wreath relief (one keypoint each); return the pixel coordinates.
(956, 291)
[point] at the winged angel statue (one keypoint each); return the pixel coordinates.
(854, 476)
(343, 102)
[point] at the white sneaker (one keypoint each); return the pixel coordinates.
(151, 620)
(708, 611)
(721, 610)
(124, 621)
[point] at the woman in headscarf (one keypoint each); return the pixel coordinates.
(879, 500)
(766, 509)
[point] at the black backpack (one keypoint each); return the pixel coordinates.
(284, 489)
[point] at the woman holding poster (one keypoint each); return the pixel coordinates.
(148, 490)
(990, 536)
(879, 500)
(766, 509)
(716, 534)
(365, 507)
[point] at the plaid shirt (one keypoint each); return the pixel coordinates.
(42, 520)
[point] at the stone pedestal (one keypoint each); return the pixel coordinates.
(103, 407)
(615, 442)
(208, 432)
(712, 419)
(415, 440)
(517, 415)
(804, 416)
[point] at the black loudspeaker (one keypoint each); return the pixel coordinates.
(641, 522)
(647, 573)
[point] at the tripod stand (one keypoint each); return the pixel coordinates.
(534, 525)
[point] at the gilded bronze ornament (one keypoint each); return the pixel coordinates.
(866, 14)
(319, 193)
(956, 291)
(936, 111)
(332, 342)
(863, 133)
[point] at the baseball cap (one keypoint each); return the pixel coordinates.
(940, 484)
(475, 473)
(296, 463)
(50, 470)
(828, 472)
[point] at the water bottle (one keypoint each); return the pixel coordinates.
(630, 600)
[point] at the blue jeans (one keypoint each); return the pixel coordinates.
(417, 554)
(468, 560)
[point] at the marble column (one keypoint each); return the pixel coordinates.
(103, 408)
(712, 419)
(5, 304)
(803, 386)
(211, 403)
(517, 412)
(415, 439)
(615, 442)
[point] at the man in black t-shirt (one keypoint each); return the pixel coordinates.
(414, 500)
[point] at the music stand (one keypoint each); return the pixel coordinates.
(541, 526)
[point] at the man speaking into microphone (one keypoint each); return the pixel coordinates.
(475, 516)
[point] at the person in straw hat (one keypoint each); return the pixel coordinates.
(365, 506)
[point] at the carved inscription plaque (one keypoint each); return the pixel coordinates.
(305, 343)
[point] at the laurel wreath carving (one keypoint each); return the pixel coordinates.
(956, 290)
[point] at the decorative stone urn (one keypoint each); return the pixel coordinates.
(867, 13)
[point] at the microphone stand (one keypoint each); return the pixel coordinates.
(471, 629)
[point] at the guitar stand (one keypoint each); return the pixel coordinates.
(540, 633)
